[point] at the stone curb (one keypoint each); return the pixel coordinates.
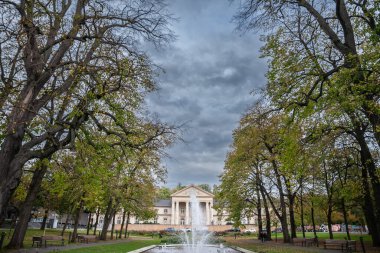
(153, 246)
(143, 249)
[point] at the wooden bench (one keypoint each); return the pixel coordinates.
(53, 238)
(87, 238)
(351, 246)
(304, 242)
(37, 240)
(296, 241)
(340, 244)
(310, 242)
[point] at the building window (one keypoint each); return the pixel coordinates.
(101, 221)
(155, 220)
(182, 221)
(182, 210)
(165, 221)
(165, 211)
(118, 220)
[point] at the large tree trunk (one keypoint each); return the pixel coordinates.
(122, 223)
(89, 223)
(369, 165)
(345, 218)
(65, 226)
(97, 220)
(24, 217)
(312, 209)
(329, 191)
(259, 216)
(10, 175)
(283, 216)
(76, 222)
(368, 210)
(267, 218)
(293, 227)
(46, 214)
(107, 219)
(329, 221)
(313, 219)
(291, 196)
(126, 225)
(113, 224)
(302, 211)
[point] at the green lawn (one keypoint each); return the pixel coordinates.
(251, 243)
(29, 235)
(266, 248)
(115, 248)
(37, 232)
(325, 235)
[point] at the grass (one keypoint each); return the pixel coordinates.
(247, 242)
(274, 248)
(37, 232)
(29, 235)
(325, 235)
(251, 243)
(115, 248)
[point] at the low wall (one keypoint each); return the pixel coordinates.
(158, 227)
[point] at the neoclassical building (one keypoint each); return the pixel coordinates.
(176, 212)
(177, 209)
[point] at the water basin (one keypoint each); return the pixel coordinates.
(191, 249)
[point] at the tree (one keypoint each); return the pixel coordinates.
(163, 193)
(205, 187)
(323, 56)
(59, 61)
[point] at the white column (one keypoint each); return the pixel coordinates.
(187, 213)
(212, 213)
(173, 208)
(207, 213)
(177, 214)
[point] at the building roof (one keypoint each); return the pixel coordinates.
(185, 191)
(163, 203)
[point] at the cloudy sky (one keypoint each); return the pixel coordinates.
(210, 71)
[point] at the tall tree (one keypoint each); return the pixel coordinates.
(324, 57)
(58, 62)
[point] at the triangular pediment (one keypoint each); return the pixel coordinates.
(187, 191)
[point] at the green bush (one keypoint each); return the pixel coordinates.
(171, 240)
(215, 240)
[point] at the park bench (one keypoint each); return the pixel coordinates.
(53, 238)
(87, 238)
(37, 240)
(351, 246)
(343, 245)
(304, 241)
(310, 241)
(296, 241)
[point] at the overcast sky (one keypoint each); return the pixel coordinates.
(210, 71)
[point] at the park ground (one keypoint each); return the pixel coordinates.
(136, 241)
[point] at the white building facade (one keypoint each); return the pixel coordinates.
(177, 209)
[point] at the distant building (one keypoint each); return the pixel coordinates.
(176, 212)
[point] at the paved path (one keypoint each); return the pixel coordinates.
(73, 246)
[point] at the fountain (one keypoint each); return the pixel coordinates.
(195, 241)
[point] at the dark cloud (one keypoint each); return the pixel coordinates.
(209, 73)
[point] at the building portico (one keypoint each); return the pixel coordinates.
(181, 206)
